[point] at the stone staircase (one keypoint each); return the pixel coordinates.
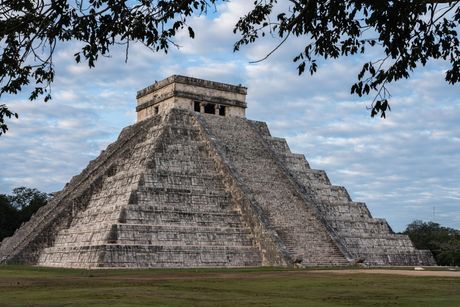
(306, 240)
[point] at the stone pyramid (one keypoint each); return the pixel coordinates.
(195, 184)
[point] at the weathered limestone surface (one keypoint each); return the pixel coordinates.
(175, 212)
(28, 242)
(187, 189)
(305, 239)
(366, 239)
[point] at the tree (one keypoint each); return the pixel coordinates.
(18, 208)
(25, 197)
(443, 242)
(9, 218)
(409, 32)
(30, 31)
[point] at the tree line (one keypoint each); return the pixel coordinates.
(18, 208)
(443, 242)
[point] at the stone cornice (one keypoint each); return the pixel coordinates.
(194, 82)
(197, 97)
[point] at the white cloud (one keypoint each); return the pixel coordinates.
(65, 95)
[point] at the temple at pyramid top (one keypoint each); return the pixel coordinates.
(191, 94)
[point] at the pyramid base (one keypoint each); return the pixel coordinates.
(148, 256)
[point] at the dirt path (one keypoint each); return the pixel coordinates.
(396, 272)
(274, 275)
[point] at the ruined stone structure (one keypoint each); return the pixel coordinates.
(193, 184)
(191, 94)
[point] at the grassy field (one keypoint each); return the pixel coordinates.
(32, 286)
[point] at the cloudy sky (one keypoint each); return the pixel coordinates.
(405, 167)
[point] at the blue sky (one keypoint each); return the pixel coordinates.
(405, 167)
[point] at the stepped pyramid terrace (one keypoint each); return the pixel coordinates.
(195, 184)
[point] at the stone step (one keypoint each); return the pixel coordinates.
(295, 162)
(154, 234)
(180, 208)
(76, 236)
(143, 256)
(262, 128)
(278, 145)
(183, 149)
(136, 215)
(195, 172)
(402, 258)
(347, 210)
(179, 178)
(210, 204)
(330, 193)
(358, 225)
(378, 242)
(121, 176)
(192, 154)
(309, 177)
(187, 167)
(101, 211)
(187, 200)
(199, 190)
(182, 235)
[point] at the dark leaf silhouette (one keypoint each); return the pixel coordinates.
(410, 33)
(30, 31)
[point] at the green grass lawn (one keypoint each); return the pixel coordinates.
(33, 286)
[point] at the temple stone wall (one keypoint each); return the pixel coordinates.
(183, 92)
